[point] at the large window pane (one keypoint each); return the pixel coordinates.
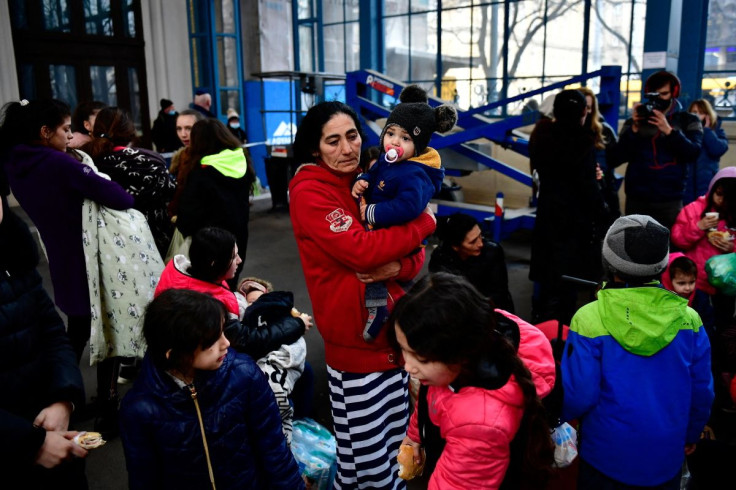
(526, 40)
(332, 11)
(352, 46)
(27, 81)
(424, 47)
(229, 99)
(334, 48)
(135, 99)
(97, 17)
(104, 88)
(224, 16)
(394, 7)
(720, 44)
(56, 15)
(64, 83)
(637, 36)
(306, 48)
(306, 9)
(397, 47)
(610, 23)
(228, 61)
(564, 46)
(352, 9)
(720, 90)
(129, 29)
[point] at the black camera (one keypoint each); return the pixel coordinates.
(654, 101)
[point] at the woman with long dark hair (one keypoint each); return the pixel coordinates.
(51, 186)
(217, 192)
(139, 171)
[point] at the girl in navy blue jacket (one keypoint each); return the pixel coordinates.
(201, 415)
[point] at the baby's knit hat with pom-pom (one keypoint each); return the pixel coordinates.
(418, 118)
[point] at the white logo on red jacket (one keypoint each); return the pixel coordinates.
(339, 221)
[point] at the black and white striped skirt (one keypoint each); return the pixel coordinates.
(370, 413)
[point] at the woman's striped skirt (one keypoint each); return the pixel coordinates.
(370, 415)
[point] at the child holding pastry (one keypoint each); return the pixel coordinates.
(702, 231)
(479, 416)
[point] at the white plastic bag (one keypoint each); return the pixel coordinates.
(565, 438)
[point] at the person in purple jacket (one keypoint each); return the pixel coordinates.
(51, 185)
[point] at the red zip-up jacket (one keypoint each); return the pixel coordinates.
(333, 246)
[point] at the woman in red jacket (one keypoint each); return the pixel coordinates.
(368, 389)
(483, 372)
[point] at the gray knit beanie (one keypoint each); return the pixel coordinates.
(636, 246)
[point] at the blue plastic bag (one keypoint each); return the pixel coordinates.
(315, 451)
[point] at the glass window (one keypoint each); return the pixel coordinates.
(227, 60)
(563, 53)
(224, 16)
(27, 81)
(104, 88)
(135, 100)
(97, 17)
(129, 29)
(230, 99)
(19, 14)
(396, 40)
(64, 83)
(352, 47)
(306, 48)
(720, 40)
(334, 48)
(56, 15)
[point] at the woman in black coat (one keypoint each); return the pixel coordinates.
(571, 211)
(217, 192)
(39, 375)
(464, 251)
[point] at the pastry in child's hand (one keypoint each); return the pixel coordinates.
(724, 234)
(408, 469)
(89, 440)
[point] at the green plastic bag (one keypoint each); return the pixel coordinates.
(721, 270)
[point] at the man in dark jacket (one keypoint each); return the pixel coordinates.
(659, 141)
(40, 379)
(163, 132)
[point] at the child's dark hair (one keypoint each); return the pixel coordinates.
(21, 123)
(113, 127)
(452, 229)
(445, 319)
(728, 187)
(82, 113)
(683, 265)
(211, 253)
(178, 321)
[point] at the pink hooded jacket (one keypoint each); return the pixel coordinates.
(692, 240)
(479, 424)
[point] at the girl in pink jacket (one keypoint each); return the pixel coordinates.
(483, 372)
(692, 229)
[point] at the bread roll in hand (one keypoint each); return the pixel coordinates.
(408, 469)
